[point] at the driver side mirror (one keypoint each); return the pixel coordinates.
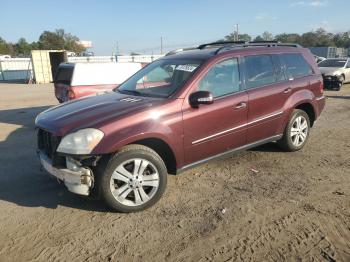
(201, 98)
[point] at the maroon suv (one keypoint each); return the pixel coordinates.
(180, 111)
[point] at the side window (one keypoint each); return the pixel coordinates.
(259, 70)
(296, 65)
(279, 70)
(222, 78)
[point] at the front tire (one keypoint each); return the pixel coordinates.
(134, 179)
(297, 131)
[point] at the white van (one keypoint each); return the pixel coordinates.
(74, 80)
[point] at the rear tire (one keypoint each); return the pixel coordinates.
(296, 132)
(134, 179)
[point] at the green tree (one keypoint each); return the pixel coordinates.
(258, 38)
(267, 36)
(6, 48)
(35, 46)
(288, 38)
(309, 39)
(51, 41)
(342, 39)
(22, 47)
(60, 40)
(241, 37)
(72, 43)
(324, 38)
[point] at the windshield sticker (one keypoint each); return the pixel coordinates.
(187, 68)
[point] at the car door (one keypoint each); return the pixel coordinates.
(268, 90)
(270, 81)
(213, 129)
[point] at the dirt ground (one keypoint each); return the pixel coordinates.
(296, 207)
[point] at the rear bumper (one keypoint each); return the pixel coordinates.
(78, 182)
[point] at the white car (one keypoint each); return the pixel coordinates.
(335, 72)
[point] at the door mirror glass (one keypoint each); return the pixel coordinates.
(201, 98)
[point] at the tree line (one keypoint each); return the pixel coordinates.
(316, 38)
(56, 40)
(59, 39)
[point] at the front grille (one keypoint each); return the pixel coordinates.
(48, 143)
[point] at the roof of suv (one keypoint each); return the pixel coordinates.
(207, 51)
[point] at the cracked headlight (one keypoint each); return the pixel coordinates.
(81, 142)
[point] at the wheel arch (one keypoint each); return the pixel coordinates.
(309, 110)
(343, 74)
(163, 149)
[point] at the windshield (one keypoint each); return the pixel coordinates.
(332, 63)
(160, 78)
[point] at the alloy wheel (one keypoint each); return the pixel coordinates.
(299, 131)
(134, 182)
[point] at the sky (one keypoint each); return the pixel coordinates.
(137, 26)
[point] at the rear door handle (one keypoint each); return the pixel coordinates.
(241, 105)
(288, 90)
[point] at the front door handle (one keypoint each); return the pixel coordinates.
(288, 90)
(241, 105)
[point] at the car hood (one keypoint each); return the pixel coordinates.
(329, 70)
(91, 111)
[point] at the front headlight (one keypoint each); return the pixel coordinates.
(81, 142)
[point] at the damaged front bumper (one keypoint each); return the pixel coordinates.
(77, 179)
(332, 81)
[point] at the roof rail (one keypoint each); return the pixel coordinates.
(264, 41)
(258, 44)
(271, 43)
(232, 44)
(220, 43)
(173, 52)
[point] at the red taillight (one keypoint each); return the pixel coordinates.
(71, 94)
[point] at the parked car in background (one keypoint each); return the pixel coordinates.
(335, 72)
(75, 80)
(178, 112)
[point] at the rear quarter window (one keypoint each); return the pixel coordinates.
(64, 75)
(296, 65)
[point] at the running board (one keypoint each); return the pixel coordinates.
(229, 153)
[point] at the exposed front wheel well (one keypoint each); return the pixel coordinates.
(163, 150)
(308, 108)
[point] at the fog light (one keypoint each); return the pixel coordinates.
(72, 164)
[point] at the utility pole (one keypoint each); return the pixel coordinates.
(161, 45)
(237, 33)
(117, 50)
